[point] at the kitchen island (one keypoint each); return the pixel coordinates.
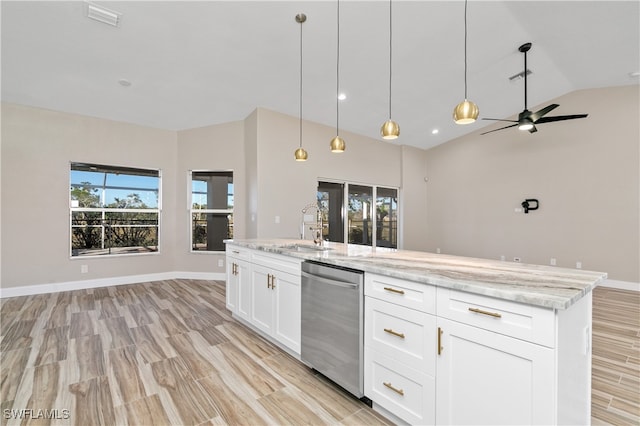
(497, 342)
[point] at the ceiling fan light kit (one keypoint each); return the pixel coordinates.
(527, 120)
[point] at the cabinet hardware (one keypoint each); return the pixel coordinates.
(395, 333)
(439, 341)
(236, 251)
(480, 311)
(393, 290)
(273, 282)
(396, 390)
(268, 280)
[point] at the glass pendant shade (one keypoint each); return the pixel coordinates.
(301, 154)
(337, 144)
(390, 130)
(465, 112)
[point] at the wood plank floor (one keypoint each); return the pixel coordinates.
(168, 352)
(158, 353)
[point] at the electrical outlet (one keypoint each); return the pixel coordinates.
(438, 250)
(220, 263)
(578, 265)
(84, 269)
(277, 219)
(503, 258)
(553, 262)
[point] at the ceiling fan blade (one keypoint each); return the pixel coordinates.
(538, 114)
(560, 118)
(501, 128)
(500, 119)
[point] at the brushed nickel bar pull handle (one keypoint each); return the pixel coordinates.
(480, 311)
(273, 282)
(393, 290)
(396, 390)
(439, 341)
(395, 333)
(268, 280)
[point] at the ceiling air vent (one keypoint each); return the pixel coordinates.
(520, 75)
(102, 14)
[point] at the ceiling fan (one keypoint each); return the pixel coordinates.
(527, 120)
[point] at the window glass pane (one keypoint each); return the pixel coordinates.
(359, 213)
(210, 229)
(330, 201)
(386, 217)
(211, 191)
(102, 232)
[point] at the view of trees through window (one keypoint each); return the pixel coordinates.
(211, 210)
(371, 213)
(114, 210)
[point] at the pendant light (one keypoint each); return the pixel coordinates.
(465, 112)
(301, 154)
(390, 129)
(337, 143)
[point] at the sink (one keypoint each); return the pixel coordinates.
(306, 248)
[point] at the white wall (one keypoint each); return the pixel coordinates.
(37, 148)
(584, 172)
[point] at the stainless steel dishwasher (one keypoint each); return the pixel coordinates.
(332, 324)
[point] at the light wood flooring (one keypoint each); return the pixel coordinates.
(168, 352)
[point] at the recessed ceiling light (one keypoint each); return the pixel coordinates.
(435, 131)
(342, 96)
(124, 82)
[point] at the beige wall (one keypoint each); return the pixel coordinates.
(584, 172)
(37, 147)
(215, 148)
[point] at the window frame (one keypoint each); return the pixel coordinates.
(105, 210)
(374, 219)
(192, 211)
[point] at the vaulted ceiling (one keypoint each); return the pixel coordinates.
(193, 64)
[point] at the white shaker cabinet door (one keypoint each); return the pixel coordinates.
(288, 318)
(488, 378)
(262, 299)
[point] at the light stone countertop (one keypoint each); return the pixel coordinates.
(546, 286)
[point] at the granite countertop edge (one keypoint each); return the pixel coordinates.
(538, 285)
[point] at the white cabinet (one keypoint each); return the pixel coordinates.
(238, 289)
(488, 378)
(400, 331)
(434, 355)
(265, 289)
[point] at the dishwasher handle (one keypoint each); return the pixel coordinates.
(331, 281)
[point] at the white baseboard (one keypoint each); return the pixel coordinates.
(621, 285)
(104, 282)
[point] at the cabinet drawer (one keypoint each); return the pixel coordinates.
(238, 252)
(531, 323)
(405, 335)
(277, 262)
(421, 297)
(405, 392)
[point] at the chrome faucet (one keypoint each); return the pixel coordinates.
(317, 230)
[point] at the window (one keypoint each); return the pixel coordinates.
(113, 210)
(371, 213)
(211, 210)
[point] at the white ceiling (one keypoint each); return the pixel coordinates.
(198, 63)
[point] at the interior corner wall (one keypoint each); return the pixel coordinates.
(250, 188)
(285, 186)
(413, 199)
(37, 148)
(211, 148)
(585, 173)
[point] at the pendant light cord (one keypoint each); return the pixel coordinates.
(338, 72)
(390, 56)
(465, 49)
(301, 84)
